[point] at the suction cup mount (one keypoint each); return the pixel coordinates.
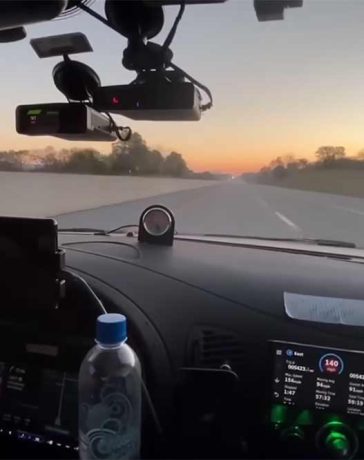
(76, 80)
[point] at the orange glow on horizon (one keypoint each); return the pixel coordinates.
(209, 160)
(235, 159)
(197, 159)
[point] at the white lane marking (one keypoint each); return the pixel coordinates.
(287, 221)
(279, 215)
(354, 211)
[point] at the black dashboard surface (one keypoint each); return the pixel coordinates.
(203, 305)
(223, 285)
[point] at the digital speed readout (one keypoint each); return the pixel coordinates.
(331, 363)
(317, 378)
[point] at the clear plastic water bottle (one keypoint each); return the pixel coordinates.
(110, 395)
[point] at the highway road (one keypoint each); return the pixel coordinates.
(239, 208)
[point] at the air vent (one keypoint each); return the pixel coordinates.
(212, 347)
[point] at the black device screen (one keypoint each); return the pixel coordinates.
(51, 119)
(28, 262)
(38, 405)
(318, 378)
(39, 120)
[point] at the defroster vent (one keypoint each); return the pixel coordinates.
(213, 347)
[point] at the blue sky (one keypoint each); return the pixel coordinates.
(279, 87)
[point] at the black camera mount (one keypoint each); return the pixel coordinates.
(78, 83)
(139, 21)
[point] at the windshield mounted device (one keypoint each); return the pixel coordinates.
(66, 121)
(161, 100)
(75, 119)
(161, 91)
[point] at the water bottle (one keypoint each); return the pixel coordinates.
(110, 395)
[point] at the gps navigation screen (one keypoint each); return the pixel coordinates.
(38, 405)
(318, 378)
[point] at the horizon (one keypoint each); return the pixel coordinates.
(36, 154)
(280, 88)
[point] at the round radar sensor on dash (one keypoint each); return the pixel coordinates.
(111, 329)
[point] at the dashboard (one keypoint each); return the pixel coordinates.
(233, 370)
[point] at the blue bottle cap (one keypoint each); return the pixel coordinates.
(111, 329)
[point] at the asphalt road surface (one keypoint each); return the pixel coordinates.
(239, 208)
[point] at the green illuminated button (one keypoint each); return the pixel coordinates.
(278, 414)
(293, 434)
(304, 418)
(338, 444)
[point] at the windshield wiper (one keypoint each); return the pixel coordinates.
(95, 231)
(334, 243)
(317, 241)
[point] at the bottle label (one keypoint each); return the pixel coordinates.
(111, 430)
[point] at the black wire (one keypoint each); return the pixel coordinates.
(114, 125)
(117, 128)
(198, 84)
(97, 16)
(173, 30)
(89, 290)
(166, 44)
(114, 230)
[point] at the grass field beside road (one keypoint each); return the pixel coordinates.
(338, 181)
(49, 194)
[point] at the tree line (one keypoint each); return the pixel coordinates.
(326, 157)
(133, 157)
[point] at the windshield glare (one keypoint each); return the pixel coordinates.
(279, 155)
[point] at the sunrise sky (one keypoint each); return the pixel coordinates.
(279, 87)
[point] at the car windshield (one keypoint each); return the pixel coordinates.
(279, 155)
